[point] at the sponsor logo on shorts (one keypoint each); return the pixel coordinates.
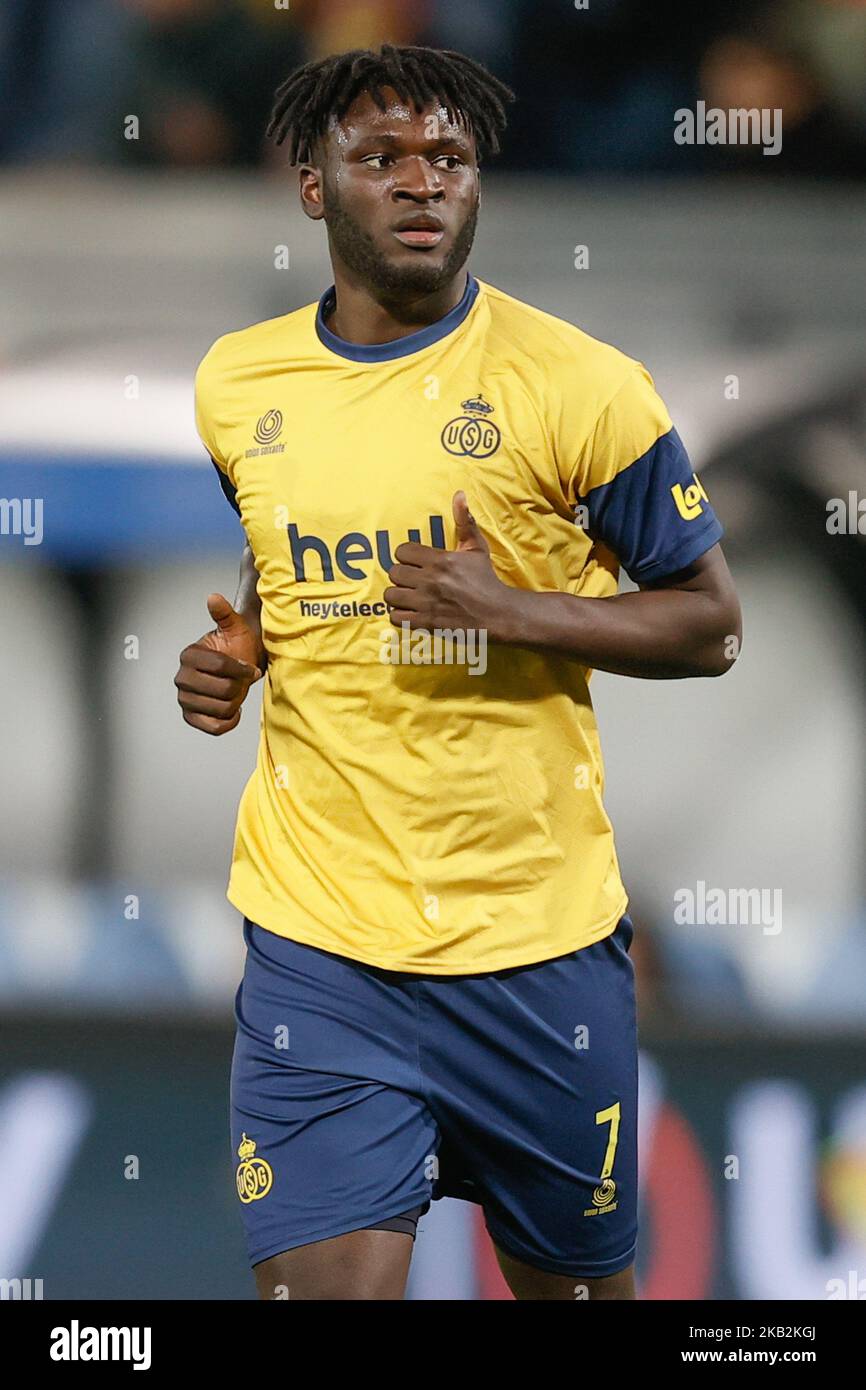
(603, 1198)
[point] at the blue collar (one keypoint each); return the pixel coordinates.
(398, 347)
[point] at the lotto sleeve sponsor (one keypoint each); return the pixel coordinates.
(641, 495)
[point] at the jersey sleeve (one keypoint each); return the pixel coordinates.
(639, 493)
(229, 490)
(204, 389)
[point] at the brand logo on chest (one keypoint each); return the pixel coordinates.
(269, 427)
(352, 550)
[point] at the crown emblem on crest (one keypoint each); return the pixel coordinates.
(478, 405)
(246, 1148)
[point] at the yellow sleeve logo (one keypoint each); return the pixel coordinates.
(689, 500)
(255, 1175)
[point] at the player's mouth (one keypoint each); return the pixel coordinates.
(423, 231)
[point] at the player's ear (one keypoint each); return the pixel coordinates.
(310, 182)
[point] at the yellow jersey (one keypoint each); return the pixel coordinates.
(426, 815)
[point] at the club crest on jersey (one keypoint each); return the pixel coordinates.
(268, 429)
(255, 1176)
(472, 435)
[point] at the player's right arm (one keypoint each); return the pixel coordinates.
(216, 672)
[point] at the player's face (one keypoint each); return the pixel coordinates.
(400, 195)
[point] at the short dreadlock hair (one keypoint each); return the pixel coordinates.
(323, 91)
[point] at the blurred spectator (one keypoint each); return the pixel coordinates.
(198, 74)
(680, 977)
(205, 74)
(63, 68)
(336, 25)
(833, 36)
(485, 29)
(597, 88)
(772, 63)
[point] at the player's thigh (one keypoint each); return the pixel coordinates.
(328, 1137)
(541, 1111)
(525, 1282)
(321, 1156)
(358, 1265)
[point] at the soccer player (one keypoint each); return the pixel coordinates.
(438, 484)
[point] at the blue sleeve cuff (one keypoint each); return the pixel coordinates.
(654, 513)
(228, 490)
(691, 548)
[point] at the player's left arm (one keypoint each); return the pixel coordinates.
(688, 624)
(640, 499)
(685, 624)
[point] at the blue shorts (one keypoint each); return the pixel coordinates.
(359, 1093)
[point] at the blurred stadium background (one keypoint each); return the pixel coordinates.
(740, 279)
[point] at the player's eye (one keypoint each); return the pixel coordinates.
(453, 161)
(371, 160)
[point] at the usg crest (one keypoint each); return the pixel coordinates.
(472, 435)
(254, 1176)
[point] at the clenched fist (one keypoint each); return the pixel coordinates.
(459, 588)
(217, 671)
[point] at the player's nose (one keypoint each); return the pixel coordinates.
(418, 180)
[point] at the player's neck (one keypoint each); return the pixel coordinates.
(360, 316)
